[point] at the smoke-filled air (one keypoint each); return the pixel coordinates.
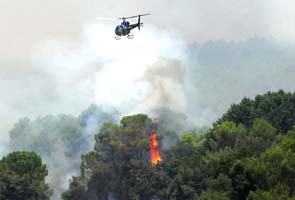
(193, 106)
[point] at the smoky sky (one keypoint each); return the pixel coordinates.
(25, 23)
(49, 66)
(194, 57)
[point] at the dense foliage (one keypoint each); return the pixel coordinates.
(22, 177)
(60, 140)
(248, 154)
(119, 166)
(278, 108)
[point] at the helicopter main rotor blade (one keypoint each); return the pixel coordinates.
(134, 16)
(106, 18)
(145, 14)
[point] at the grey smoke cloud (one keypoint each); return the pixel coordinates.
(61, 140)
(29, 27)
(65, 79)
(26, 23)
(225, 72)
(54, 58)
(166, 78)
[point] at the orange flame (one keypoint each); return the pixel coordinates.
(154, 146)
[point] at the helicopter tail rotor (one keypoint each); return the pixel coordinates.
(138, 23)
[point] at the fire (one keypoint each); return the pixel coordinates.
(154, 146)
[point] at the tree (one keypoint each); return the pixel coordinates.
(120, 164)
(278, 108)
(22, 176)
(76, 190)
(226, 134)
(243, 156)
(60, 138)
(273, 171)
(212, 194)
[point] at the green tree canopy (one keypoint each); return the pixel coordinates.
(273, 171)
(278, 108)
(22, 176)
(120, 164)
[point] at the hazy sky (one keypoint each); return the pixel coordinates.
(43, 46)
(56, 58)
(25, 23)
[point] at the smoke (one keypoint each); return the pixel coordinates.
(60, 141)
(157, 71)
(166, 88)
(131, 75)
(124, 80)
(222, 73)
(282, 20)
(48, 61)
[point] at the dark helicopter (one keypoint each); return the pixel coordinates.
(124, 29)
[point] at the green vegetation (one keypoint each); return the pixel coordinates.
(248, 154)
(60, 140)
(278, 108)
(22, 177)
(119, 166)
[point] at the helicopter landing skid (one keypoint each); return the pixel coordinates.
(130, 36)
(117, 37)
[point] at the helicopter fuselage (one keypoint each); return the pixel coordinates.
(122, 30)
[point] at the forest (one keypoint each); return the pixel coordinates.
(248, 153)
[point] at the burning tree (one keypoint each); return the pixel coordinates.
(120, 164)
(154, 148)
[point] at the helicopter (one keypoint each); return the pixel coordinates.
(124, 29)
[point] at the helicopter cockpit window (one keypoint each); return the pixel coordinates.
(125, 23)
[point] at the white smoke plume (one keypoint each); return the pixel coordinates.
(151, 71)
(131, 75)
(60, 141)
(123, 81)
(119, 73)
